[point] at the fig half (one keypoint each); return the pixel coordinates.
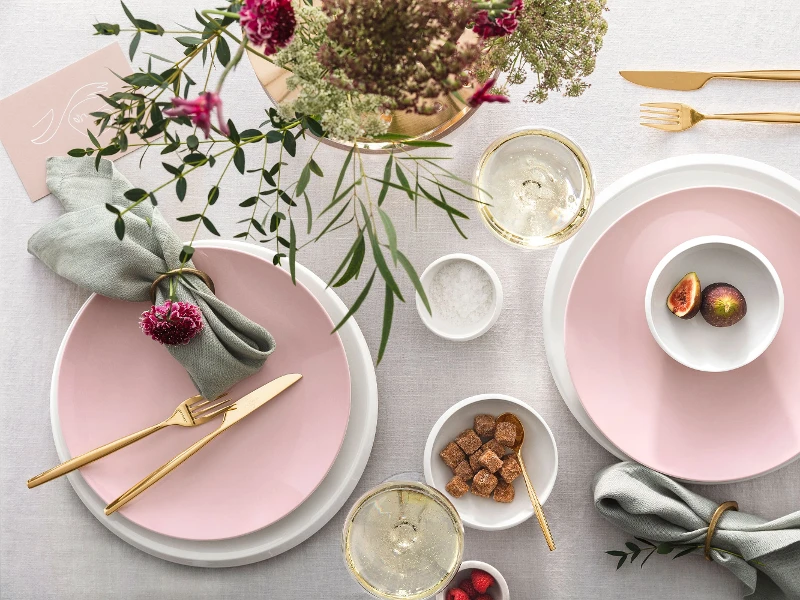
(685, 298)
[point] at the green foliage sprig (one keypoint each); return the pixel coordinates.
(664, 548)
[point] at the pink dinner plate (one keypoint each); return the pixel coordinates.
(703, 427)
(113, 381)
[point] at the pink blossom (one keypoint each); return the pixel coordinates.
(482, 95)
(172, 323)
(486, 27)
(199, 111)
(268, 24)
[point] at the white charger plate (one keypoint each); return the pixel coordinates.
(627, 193)
(310, 516)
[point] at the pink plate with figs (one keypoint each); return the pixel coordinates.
(694, 425)
(112, 381)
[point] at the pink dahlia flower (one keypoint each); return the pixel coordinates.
(486, 27)
(172, 323)
(199, 111)
(482, 95)
(268, 24)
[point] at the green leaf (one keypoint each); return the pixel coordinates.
(186, 254)
(305, 177)
(134, 44)
(209, 225)
(119, 227)
(616, 553)
(387, 176)
(238, 160)
(171, 147)
(357, 304)
(286, 198)
(77, 152)
(391, 234)
(621, 562)
(192, 142)
(94, 139)
(195, 159)
(427, 144)
(452, 218)
(314, 127)
(267, 177)
(258, 227)
(644, 541)
(173, 170)
(641, 566)
(315, 168)
(334, 220)
(392, 137)
(112, 208)
(187, 218)
(380, 261)
(309, 214)
(415, 280)
(401, 177)
(388, 313)
(275, 221)
(180, 188)
(289, 143)
(688, 550)
(213, 195)
(233, 134)
(632, 547)
(342, 172)
(106, 29)
(188, 41)
(248, 202)
(292, 250)
(665, 548)
(223, 51)
(131, 18)
(443, 205)
(135, 194)
(356, 257)
(276, 260)
(249, 134)
(274, 136)
(153, 200)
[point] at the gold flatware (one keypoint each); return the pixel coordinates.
(517, 449)
(672, 116)
(694, 80)
(192, 411)
(235, 413)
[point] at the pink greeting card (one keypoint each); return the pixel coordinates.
(51, 117)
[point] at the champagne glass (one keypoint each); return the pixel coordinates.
(403, 540)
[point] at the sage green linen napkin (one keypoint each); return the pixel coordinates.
(650, 505)
(82, 246)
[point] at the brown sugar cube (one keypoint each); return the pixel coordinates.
(483, 483)
(469, 441)
(505, 433)
(495, 447)
(504, 492)
(510, 469)
(452, 455)
(463, 470)
(473, 461)
(491, 461)
(484, 425)
(456, 487)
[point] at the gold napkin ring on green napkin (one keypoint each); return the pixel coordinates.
(180, 271)
(730, 505)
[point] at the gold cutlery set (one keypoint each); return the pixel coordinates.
(673, 116)
(194, 411)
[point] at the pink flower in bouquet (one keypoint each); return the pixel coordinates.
(172, 323)
(199, 111)
(268, 24)
(482, 95)
(487, 27)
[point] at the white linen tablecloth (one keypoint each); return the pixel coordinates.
(51, 547)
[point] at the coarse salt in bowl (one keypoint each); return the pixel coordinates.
(464, 294)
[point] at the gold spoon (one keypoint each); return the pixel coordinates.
(517, 449)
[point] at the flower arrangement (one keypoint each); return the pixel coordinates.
(350, 70)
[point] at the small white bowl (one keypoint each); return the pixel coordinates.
(449, 330)
(539, 453)
(498, 590)
(693, 342)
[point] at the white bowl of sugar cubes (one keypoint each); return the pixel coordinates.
(464, 296)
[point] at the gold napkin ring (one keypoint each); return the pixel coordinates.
(712, 526)
(202, 275)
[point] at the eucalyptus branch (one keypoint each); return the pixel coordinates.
(665, 548)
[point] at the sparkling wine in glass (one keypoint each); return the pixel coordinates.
(403, 540)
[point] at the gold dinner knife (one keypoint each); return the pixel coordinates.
(238, 411)
(694, 80)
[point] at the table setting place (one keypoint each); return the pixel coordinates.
(232, 208)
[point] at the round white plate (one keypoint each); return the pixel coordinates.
(634, 189)
(310, 516)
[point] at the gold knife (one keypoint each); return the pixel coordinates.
(238, 411)
(694, 80)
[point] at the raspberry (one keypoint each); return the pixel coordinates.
(467, 586)
(481, 580)
(457, 594)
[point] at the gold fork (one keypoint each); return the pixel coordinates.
(673, 116)
(192, 411)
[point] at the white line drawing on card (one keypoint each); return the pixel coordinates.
(83, 94)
